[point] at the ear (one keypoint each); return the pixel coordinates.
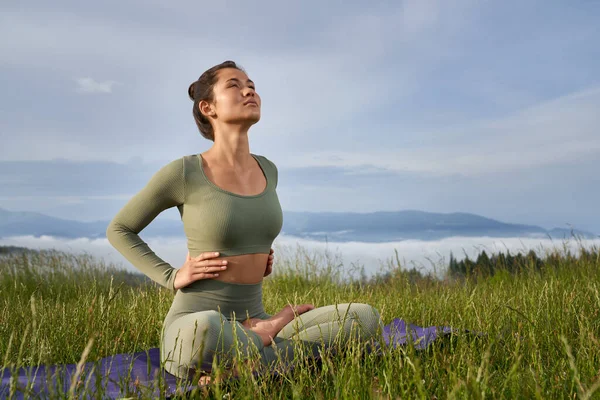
(206, 108)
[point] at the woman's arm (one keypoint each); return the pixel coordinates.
(165, 189)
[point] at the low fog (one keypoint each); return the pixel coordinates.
(425, 256)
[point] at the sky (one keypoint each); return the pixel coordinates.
(470, 106)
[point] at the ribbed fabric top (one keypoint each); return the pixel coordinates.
(213, 218)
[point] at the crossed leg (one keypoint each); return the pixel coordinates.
(194, 339)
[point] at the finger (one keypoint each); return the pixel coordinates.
(299, 311)
(207, 254)
(188, 258)
(271, 257)
(204, 276)
(305, 308)
(208, 263)
(206, 273)
(209, 269)
(272, 251)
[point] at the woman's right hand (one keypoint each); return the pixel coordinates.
(202, 267)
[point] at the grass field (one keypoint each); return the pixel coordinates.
(542, 326)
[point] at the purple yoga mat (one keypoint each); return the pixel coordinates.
(396, 334)
(121, 375)
(138, 374)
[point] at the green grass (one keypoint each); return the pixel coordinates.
(542, 326)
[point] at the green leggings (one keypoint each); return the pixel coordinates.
(193, 339)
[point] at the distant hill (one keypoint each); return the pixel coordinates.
(36, 224)
(409, 224)
(381, 226)
(15, 249)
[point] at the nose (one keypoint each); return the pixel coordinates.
(248, 91)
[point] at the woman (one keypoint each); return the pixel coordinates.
(231, 215)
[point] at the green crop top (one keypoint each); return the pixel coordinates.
(213, 218)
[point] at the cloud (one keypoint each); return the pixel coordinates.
(554, 132)
(63, 179)
(327, 90)
(89, 85)
(311, 77)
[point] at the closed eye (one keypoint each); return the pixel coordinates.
(234, 82)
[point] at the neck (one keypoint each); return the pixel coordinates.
(231, 145)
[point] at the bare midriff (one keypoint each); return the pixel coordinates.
(244, 268)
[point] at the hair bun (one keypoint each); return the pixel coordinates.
(191, 91)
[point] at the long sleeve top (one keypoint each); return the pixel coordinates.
(213, 218)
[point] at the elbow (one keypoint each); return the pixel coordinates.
(110, 232)
(113, 231)
(117, 233)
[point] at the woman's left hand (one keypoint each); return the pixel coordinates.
(270, 263)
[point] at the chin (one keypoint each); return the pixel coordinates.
(254, 118)
(250, 118)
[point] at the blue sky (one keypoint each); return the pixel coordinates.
(472, 106)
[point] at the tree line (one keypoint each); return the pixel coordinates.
(485, 266)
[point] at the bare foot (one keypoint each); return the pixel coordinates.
(207, 379)
(204, 380)
(267, 329)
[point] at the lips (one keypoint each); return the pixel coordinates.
(251, 102)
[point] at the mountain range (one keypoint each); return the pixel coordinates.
(381, 226)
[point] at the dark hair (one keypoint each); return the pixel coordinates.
(202, 89)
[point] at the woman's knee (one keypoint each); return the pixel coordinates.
(192, 339)
(366, 316)
(210, 326)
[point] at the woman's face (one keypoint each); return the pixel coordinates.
(235, 98)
